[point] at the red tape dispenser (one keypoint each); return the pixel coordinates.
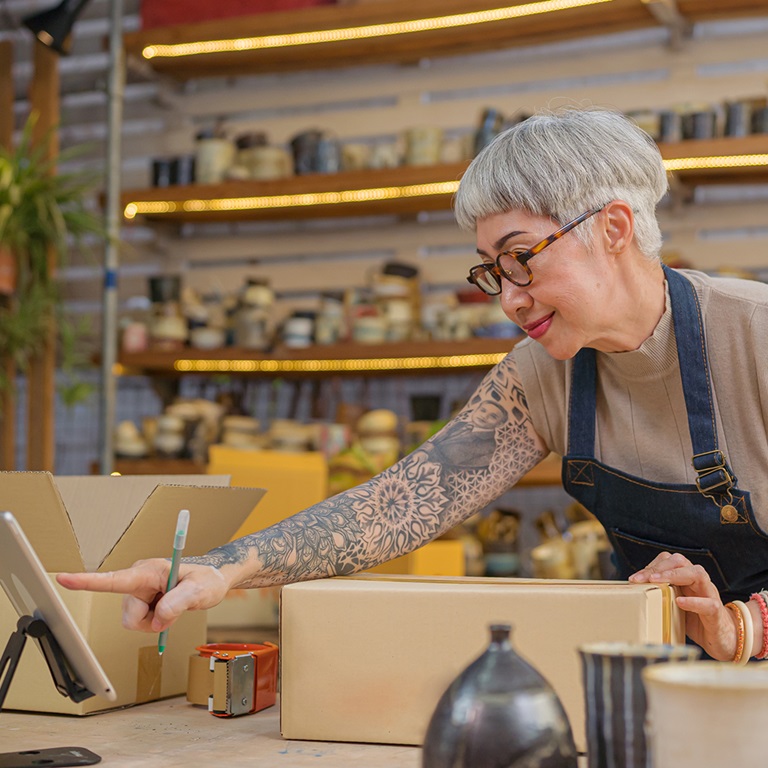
(233, 678)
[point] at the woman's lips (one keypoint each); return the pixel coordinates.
(538, 328)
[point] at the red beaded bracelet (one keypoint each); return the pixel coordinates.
(763, 605)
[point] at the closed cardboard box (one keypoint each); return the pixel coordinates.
(103, 524)
(443, 557)
(293, 481)
(366, 658)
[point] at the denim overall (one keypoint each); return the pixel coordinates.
(711, 522)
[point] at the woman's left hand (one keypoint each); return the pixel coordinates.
(707, 621)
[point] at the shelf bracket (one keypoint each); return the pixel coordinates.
(667, 13)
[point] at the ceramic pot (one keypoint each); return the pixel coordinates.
(615, 700)
(499, 712)
(422, 145)
(707, 715)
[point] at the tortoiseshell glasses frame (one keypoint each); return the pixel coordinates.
(514, 266)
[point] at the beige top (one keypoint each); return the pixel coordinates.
(642, 426)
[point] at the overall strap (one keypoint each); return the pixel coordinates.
(581, 405)
(714, 474)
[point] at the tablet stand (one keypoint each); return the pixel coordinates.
(65, 684)
(61, 673)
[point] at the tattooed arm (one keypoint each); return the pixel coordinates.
(471, 461)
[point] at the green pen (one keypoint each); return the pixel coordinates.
(182, 525)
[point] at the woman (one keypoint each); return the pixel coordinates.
(614, 376)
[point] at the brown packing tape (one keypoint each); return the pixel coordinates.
(199, 682)
(673, 622)
(666, 612)
(149, 681)
(219, 693)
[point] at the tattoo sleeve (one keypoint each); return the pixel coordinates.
(475, 458)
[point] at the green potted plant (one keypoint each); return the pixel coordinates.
(43, 214)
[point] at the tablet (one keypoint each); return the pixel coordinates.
(31, 592)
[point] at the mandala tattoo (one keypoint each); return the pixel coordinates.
(464, 467)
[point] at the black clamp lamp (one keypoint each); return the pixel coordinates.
(52, 27)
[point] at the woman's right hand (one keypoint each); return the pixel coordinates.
(146, 605)
(707, 621)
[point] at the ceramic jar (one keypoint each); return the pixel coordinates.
(707, 715)
(169, 440)
(499, 712)
(297, 332)
(615, 699)
(214, 155)
(254, 327)
(423, 145)
(167, 325)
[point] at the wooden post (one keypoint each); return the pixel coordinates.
(41, 379)
(8, 398)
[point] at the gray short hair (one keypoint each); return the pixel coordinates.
(563, 163)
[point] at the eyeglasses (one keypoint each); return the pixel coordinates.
(514, 266)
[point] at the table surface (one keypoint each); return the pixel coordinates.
(175, 734)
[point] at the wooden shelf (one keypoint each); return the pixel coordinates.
(192, 203)
(328, 360)
(742, 159)
(155, 466)
(602, 17)
(546, 473)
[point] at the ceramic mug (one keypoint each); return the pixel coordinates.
(268, 162)
(615, 699)
(707, 715)
(423, 145)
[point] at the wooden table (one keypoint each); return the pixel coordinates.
(176, 734)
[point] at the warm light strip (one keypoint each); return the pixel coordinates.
(339, 366)
(360, 33)
(156, 208)
(715, 161)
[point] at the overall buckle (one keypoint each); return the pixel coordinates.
(713, 472)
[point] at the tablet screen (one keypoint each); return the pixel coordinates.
(31, 592)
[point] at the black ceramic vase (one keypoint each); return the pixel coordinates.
(499, 713)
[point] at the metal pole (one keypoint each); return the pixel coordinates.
(115, 93)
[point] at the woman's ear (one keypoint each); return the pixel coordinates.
(618, 226)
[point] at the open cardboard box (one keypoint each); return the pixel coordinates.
(103, 523)
(366, 658)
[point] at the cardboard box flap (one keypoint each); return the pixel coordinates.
(215, 515)
(102, 507)
(34, 500)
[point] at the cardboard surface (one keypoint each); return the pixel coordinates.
(443, 557)
(100, 516)
(294, 481)
(118, 521)
(366, 658)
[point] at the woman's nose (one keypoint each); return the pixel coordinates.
(513, 298)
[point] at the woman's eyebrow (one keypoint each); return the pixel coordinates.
(503, 239)
(514, 233)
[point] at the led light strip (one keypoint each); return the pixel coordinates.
(360, 33)
(715, 161)
(160, 207)
(135, 208)
(339, 366)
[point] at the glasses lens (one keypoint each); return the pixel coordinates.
(485, 280)
(515, 271)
